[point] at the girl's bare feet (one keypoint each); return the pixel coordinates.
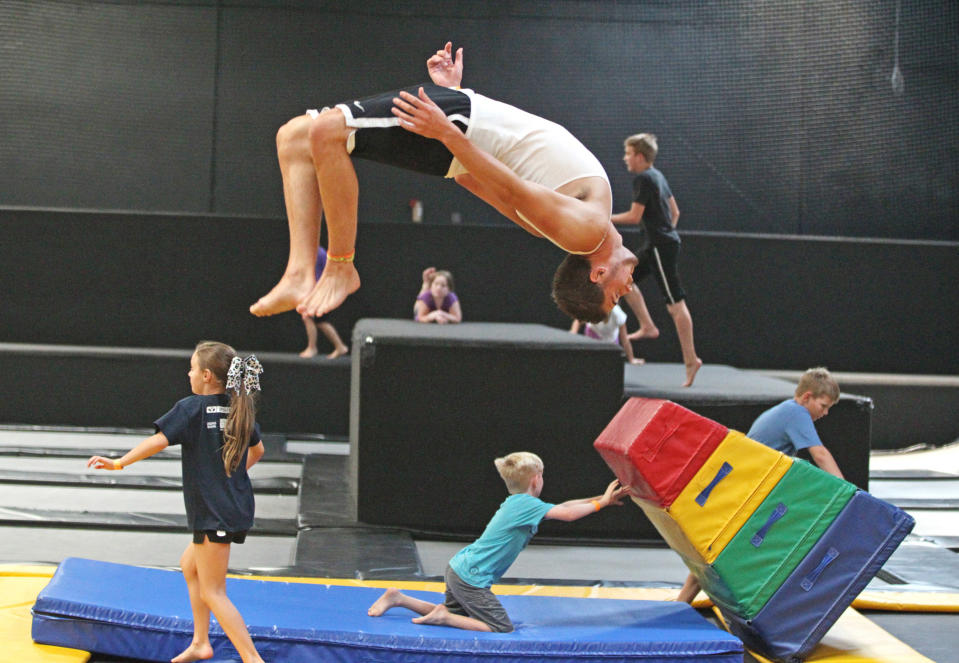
(309, 352)
(339, 281)
(195, 652)
(691, 370)
(337, 352)
(285, 295)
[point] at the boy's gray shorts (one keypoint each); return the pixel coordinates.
(476, 602)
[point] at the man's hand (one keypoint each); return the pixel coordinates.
(422, 116)
(444, 69)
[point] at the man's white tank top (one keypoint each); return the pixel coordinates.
(534, 148)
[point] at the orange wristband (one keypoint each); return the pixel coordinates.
(345, 258)
(117, 465)
(595, 504)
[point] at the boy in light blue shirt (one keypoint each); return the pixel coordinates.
(469, 603)
(788, 427)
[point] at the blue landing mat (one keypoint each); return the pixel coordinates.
(144, 613)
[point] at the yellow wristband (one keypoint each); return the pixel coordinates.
(117, 465)
(345, 258)
(596, 504)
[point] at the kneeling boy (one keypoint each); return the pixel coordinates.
(469, 602)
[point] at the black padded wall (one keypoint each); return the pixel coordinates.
(756, 302)
(772, 117)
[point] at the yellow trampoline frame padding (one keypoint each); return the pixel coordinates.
(730, 485)
(854, 639)
(19, 586)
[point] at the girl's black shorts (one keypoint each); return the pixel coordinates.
(218, 536)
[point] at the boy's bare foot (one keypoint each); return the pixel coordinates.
(339, 281)
(389, 599)
(644, 332)
(195, 652)
(309, 352)
(691, 370)
(438, 616)
(338, 352)
(284, 296)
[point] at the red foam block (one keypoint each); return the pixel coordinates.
(655, 447)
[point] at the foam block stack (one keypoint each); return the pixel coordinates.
(779, 545)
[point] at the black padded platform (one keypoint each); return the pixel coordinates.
(434, 405)
(735, 398)
(121, 386)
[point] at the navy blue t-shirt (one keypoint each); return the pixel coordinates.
(651, 190)
(213, 501)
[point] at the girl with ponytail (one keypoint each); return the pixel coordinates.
(220, 440)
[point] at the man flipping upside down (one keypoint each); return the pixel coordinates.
(531, 170)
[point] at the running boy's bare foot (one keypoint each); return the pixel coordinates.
(691, 370)
(337, 352)
(309, 352)
(195, 652)
(284, 296)
(438, 616)
(644, 332)
(389, 599)
(339, 281)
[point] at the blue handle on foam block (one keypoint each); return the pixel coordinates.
(720, 475)
(827, 559)
(777, 513)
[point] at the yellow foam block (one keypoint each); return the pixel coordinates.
(19, 586)
(673, 534)
(726, 491)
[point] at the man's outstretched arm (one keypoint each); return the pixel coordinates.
(574, 225)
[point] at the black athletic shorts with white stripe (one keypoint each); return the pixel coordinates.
(663, 263)
(378, 136)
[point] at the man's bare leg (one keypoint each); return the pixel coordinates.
(440, 616)
(339, 191)
(684, 329)
(302, 198)
(394, 598)
(647, 328)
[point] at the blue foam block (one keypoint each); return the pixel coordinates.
(145, 613)
(849, 554)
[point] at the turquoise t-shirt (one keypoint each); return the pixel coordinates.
(787, 427)
(484, 561)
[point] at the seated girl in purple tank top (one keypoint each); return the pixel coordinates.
(437, 302)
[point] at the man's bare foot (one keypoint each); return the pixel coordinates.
(284, 296)
(337, 352)
(389, 599)
(339, 281)
(644, 332)
(637, 361)
(438, 616)
(309, 352)
(195, 652)
(691, 370)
